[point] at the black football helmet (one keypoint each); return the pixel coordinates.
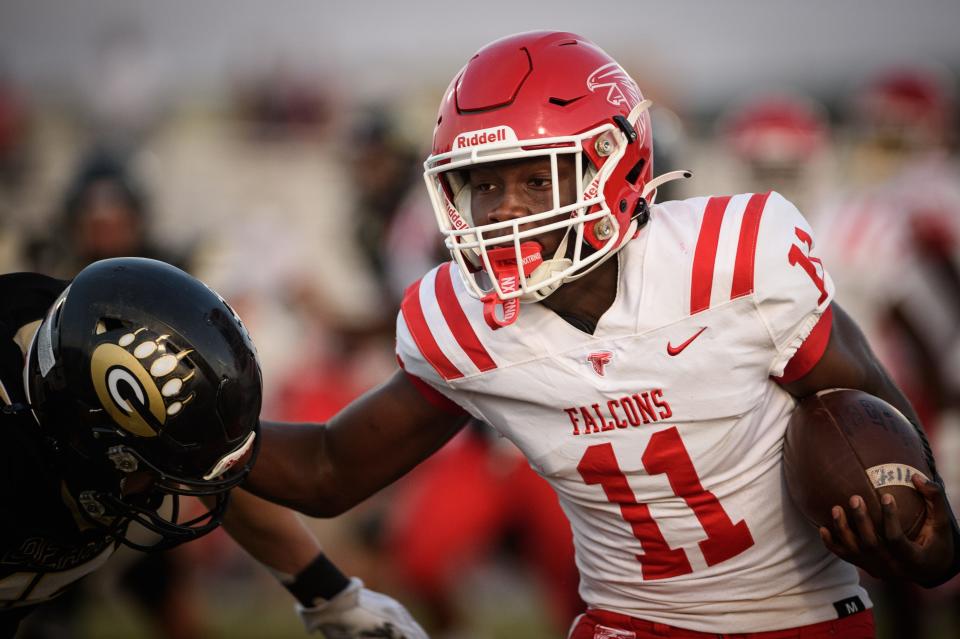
(147, 386)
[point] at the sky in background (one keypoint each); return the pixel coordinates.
(707, 50)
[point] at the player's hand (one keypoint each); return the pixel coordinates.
(889, 554)
(357, 612)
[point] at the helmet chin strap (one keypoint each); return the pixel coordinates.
(546, 270)
(662, 179)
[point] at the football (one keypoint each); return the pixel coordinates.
(844, 442)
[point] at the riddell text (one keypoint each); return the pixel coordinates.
(484, 137)
(631, 410)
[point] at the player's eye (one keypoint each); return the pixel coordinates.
(540, 182)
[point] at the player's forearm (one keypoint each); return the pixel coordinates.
(280, 540)
(272, 534)
(324, 470)
(293, 469)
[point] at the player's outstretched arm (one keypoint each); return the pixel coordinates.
(324, 469)
(934, 556)
(327, 600)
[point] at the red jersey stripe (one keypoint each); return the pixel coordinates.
(705, 255)
(412, 312)
(457, 321)
(810, 352)
(747, 246)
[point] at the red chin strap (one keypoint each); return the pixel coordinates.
(506, 271)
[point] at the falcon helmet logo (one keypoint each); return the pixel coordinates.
(599, 360)
(620, 87)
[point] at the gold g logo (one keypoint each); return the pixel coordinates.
(139, 383)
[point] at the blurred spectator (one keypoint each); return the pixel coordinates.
(104, 214)
(14, 163)
(779, 140)
(892, 234)
(394, 222)
(901, 114)
(893, 248)
(13, 135)
(282, 103)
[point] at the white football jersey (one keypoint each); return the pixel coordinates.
(662, 431)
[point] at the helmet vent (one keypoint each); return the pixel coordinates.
(634, 173)
(105, 324)
(563, 103)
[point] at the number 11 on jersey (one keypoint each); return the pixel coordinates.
(666, 454)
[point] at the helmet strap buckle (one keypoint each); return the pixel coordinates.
(641, 213)
(627, 128)
(122, 459)
(91, 505)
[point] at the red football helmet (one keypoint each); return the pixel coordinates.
(541, 94)
(776, 129)
(907, 107)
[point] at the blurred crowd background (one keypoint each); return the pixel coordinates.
(275, 150)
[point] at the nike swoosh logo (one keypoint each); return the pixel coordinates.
(676, 350)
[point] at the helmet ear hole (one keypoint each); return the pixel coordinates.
(634, 173)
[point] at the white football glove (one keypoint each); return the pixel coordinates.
(356, 613)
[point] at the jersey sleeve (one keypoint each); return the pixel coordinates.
(424, 358)
(793, 289)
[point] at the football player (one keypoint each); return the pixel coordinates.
(778, 141)
(644, 356)
(124, 392)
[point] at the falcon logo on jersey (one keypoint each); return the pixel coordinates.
(139, 383)
(621, 89)
(599, 361)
